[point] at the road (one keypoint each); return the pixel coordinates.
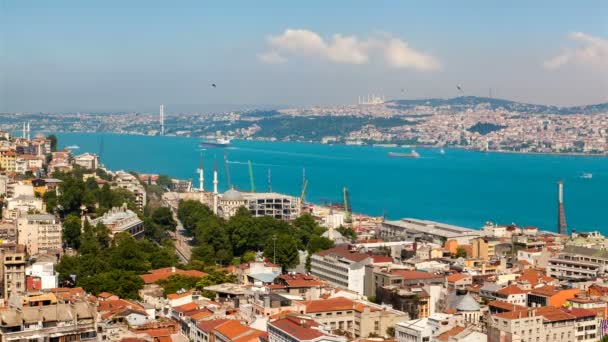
(183, 249)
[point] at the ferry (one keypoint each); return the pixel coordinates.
(412, 154)
(72, 147)
(219, 142)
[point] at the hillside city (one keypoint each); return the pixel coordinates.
(89, 253)
(474, 123)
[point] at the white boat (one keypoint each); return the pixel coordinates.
(412, 154)
(219, 142)
(587, 175)
(442, 151)
(72, 147)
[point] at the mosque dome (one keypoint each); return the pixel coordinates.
(232, 195)
(467, 303)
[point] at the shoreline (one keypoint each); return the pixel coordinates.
(380, 145)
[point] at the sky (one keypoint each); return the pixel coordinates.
(134, 55)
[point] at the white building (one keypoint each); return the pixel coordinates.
(423, 329)
(341, 267)
(40, 233)
(121, 219)
(87, 160)
(22, 204)
(45, 270)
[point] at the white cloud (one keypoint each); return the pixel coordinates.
(343, 49)
(591, 52)
(272, 57)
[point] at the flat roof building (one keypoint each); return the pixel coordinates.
(409, 228)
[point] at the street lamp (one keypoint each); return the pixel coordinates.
(274, 240)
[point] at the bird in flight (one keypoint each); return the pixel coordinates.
(213, 85)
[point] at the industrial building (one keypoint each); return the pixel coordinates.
(410, 228)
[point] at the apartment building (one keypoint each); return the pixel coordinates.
(40, 233)
(341, 267)
(13, 258)
(75, 321)
(300, 329)
(129, 182)
(578, 263)
(87, 161)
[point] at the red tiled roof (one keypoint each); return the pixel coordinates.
(179, 295)
(332, 304)
(579, 312)
(186, 307)
(381, 259)
(511, 289)
(207, 326)
(232, 329)
(446, 335)
(413, 275)
(299, 328)
(505, 306)
(456, 277)
(164, 273)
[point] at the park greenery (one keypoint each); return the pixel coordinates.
(221, 242)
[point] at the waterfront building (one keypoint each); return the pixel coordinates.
(279, 206)
(409, 228)
(40, 233)
(121, 219)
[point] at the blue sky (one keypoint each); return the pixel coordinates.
(132, 55)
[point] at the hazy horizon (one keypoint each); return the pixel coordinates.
(112, 56)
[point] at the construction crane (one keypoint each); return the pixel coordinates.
(269, 181)
(347, 211)
(227, 170)
(251, 176)
(304, 186)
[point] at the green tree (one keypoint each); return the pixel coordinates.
(461, 252)
(119, 282)
(53, 140)
(164, 181)
(347, 232)
(71, 231)
(248, 256)
(286, 251)
(177, 282)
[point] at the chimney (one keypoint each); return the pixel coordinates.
(562, 228)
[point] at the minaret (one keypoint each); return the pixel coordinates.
(162, 119)
(23, 135)
(28, 131)
(215, 194)
(562, 228)
(201, 179)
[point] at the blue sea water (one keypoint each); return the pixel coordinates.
(460, 187)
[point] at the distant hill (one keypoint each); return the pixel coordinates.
(466, 102)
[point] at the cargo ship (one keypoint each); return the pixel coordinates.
(412, 154)
(219, 142)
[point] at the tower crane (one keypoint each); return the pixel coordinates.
(251, 176)
(304, 186)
